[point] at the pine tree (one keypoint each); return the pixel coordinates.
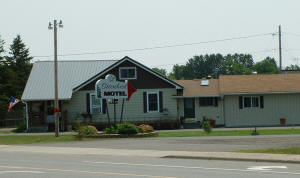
(19, 62)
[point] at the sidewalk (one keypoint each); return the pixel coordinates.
(223, 128)
(257, 157)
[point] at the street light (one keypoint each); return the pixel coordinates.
(56, 105)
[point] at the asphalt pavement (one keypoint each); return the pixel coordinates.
(45, 165)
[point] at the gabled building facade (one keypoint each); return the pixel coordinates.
(231, 100)
(153, 101)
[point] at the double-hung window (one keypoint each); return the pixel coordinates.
(152, 101)
(127, 73)
(95, 104)
(251, 102)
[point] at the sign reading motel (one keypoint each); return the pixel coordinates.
(110, 88)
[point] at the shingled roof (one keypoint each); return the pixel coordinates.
(193, 88)
(260, 83)
(243, 84)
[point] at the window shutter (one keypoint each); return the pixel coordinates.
(161, 101)
(145, 101)
(261, 100)
(241, 102)
(216, 101)
(104, 106)
(88, 109)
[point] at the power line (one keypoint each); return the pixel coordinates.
(293, 34)
(160, 47)
(254, 52)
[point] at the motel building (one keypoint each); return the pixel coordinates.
(230, 101)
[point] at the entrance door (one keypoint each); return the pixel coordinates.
(189, 107)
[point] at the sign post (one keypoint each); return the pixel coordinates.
(110, 88)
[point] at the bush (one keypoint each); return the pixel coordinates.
(21, 128)
(76, 125)
(145, 128)
(110, 130)
(87, 130)
(206, 125)
(127, 128)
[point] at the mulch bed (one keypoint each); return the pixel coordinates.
(139, 135)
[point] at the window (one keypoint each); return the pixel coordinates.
(251, 102)
(127, 73)
(206, 101)
(152, 102)
(95, 104)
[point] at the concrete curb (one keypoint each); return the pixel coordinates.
(232, 159)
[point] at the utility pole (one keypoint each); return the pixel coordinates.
(280, 54)
(56, 104)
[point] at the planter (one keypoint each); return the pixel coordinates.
(212, 123)
(282, 121)
(139, 135)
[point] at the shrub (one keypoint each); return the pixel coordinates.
(206, 125)
(21, 128)
(127, 128)
(110, 130)
(145, 128)
(76, 125)
(87, 130)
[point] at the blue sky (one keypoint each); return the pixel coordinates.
(96, 26)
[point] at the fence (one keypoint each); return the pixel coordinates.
(12, 119)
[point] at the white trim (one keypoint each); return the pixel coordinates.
(93, 106)
(251, 104)
(153, 92)
(177, 86)
(135, 73)
(262, 93)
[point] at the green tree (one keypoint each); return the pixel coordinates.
(177, 72)
(19, 61)
(292, 67)
(162, 72)
(267, 66)
(237, 64)
(2, 51)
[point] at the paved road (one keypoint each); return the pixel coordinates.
(226, 143)
(25, 165)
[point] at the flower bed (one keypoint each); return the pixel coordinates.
(138, 135)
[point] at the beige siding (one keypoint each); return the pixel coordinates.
(276, 106)
(210, 112)
(180, 107)
(133, 109)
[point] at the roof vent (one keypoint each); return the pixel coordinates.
(204, 82)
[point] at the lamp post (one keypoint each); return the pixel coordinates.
(56, 105)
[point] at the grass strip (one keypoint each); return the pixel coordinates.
(291, 150)
(200, 133)
(37, 139)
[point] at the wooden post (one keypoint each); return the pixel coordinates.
(121, 118)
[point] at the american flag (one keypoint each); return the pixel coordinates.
(13, 101)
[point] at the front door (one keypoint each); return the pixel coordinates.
(189, 107)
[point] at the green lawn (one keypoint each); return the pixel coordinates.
(36, 139)
(292, 150)
(5, 131)
(200, 133)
